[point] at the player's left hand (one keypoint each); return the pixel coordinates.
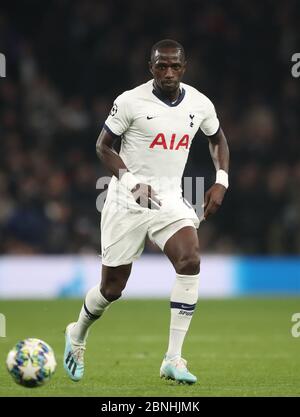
(213, 199)
(146, 197)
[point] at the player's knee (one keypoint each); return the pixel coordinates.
(188, 264)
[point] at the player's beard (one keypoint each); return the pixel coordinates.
(170, 88)
(170, 85)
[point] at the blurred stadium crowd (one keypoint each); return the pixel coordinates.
(68, 60)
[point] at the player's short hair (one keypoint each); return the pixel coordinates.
(167, 43)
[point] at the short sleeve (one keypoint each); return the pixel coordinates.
(210, 123)
(119, 118)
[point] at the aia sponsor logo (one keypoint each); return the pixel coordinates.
(174, 143)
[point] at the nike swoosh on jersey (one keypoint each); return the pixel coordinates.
(150, 117)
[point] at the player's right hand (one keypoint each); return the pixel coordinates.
(146, 197)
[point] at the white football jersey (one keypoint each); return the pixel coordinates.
(156, 134)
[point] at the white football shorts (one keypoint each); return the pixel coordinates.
(124, 230)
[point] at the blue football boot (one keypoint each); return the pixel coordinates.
(73, 356)
(176, 369)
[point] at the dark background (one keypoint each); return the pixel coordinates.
(68, 60)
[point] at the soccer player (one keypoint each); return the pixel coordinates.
(156, 123)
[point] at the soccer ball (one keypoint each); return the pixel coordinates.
(31, 362)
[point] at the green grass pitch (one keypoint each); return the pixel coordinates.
(236, 347)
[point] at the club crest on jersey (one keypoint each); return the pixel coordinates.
(172, 144)
(114, 109)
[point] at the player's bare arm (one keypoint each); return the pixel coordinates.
(107, 154)
(143, 193)
(220, 155)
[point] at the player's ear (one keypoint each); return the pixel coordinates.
(150, 67)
